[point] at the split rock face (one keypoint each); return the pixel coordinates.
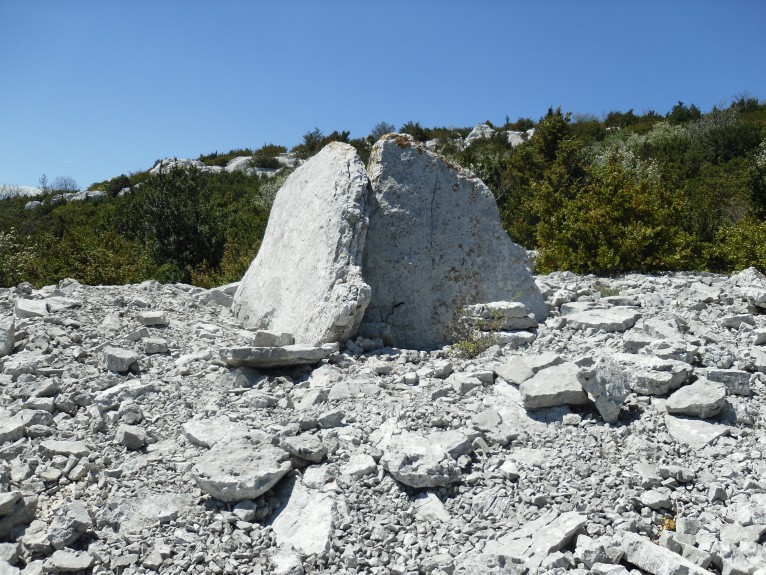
(307, 277)
(435, 244)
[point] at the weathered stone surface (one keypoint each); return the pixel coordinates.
(307, 279)
(307, 447)
(752, 286)
(703, 398)
(269, 357)
(307, 518)
(537, 539)
(694, 432)
(498, 315)
(22, 513)
(435, 245)
(131, 436)
(7, 335)
(155, 345)
(416, 462)
(609, 320)
(736, 381)
(30, 308)
(63, 561)
(71, 521)
(67, 448)
(208, 432)
(241, 469)
(651, 375)
(641, 552)
(154, 318)
(608, 384)
(118, 359)
(11, 429)
(557, 385)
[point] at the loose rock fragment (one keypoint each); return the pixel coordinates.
(557, 385)
(416, 462)
(270, 357)
(702, 398)
(119, 360)
(241, 469)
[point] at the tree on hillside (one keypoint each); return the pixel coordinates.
(380, 129)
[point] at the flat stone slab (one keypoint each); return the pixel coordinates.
(67, 448)
(270, 357)
(307, 276)
(644, 554)
(703, 398)
(30, 308)
(533, 542)
(435, 245)
(118, 359)
(696, 433)
(243, 468)
(652, 375)
(557, 385)
(418, 462)
(64, 561)
(609, 320)
(208, 432)
(307, 518)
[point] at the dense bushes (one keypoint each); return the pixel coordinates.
(627, 193)
(634, 193)
(177, 226)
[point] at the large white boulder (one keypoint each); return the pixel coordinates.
(307, 277)
(435, 245)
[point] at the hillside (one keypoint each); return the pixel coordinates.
(629, 192)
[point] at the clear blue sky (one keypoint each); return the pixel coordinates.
(94, 88)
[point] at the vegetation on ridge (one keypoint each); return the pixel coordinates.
(628, 192)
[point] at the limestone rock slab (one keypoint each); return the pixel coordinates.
(557, 385)
(641, 552)
(269, 357)
(7, 335)
(703, 398)
(416, 462)
(240, 469)
(609, 320)
(307, 276)
(307, 518)
(608, 383)
(695, 433)
(435, 244)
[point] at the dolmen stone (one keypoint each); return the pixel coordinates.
(307, 276)
(271, 357)
(435, 244)
(241, 469)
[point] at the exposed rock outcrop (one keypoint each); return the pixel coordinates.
(307, 277)
(435, 245)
